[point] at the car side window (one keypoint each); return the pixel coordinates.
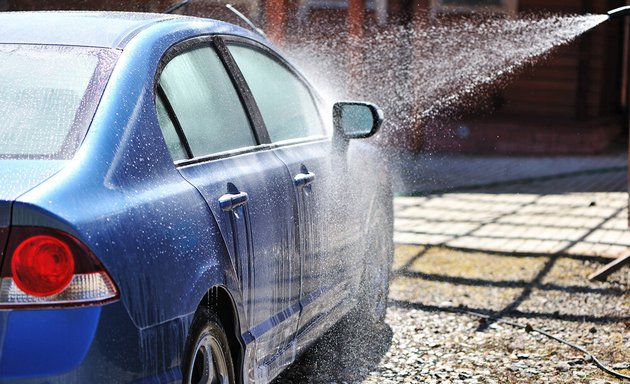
(285, 102)
(205, 103)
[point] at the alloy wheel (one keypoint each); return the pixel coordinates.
(209, 364)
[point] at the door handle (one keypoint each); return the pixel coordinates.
(304, 179)
(229, 201)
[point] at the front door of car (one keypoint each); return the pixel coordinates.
(327, 238)
(248, 190)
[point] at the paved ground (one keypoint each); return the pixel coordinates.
(566, 206)
(430, 335)
(516, 245)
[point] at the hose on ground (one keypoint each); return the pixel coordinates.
(528, 328)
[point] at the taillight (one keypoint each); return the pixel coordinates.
(42, 265)
(48, 267)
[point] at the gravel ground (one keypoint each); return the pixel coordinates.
(428, 339)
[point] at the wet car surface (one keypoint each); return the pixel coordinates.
(178, 203)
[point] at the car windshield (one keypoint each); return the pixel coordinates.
(48, 95)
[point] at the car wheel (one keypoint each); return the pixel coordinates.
(378, 260)
(208, 359)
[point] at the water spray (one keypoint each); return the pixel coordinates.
(177, 6)
(245, 19)
(619, 12)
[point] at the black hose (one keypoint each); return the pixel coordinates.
(528, 328)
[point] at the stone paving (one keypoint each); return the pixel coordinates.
(541, 209)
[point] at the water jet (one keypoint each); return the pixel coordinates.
(619, 12)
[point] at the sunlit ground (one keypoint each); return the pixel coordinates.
(577, 223)
(428, 337)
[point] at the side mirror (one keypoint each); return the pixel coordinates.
(356, 120)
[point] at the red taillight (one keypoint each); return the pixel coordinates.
(46, 267)
(42, 265)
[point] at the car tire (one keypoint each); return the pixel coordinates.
(207, 358)
(374, 289)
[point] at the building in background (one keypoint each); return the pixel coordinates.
(573, 102)
(509, 7)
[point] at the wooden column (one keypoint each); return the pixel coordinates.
(584, 70)
(274, 20)
(356, 18)
(355, 21)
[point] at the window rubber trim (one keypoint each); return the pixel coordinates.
(245, 94)
(176, 124)
(223, 155)
(253, 44)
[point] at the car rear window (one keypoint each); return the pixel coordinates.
(48, 95)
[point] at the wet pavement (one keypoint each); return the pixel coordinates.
(516, 247)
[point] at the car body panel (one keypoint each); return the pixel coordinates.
(32, 173)
(322, 239)
(48, 342)
(154, 226)
(261, 241)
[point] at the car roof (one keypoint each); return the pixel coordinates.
(92, 29)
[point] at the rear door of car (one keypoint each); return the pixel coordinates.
(326, 238)
(213, 136)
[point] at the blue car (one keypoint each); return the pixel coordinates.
(177, 203)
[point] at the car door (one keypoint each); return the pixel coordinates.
(210, 135)
(327, 235)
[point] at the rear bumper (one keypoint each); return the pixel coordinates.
(88, 345)
(40, 343)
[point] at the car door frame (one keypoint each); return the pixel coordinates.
(286, 354)
(245, 96)
(332, 302)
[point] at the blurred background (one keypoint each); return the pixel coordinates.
(574, 102)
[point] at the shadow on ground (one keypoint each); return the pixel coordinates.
(563, 216)
(515, 286)
(347, 353)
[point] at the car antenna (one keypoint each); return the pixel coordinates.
(246, 20)
(177, 6)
